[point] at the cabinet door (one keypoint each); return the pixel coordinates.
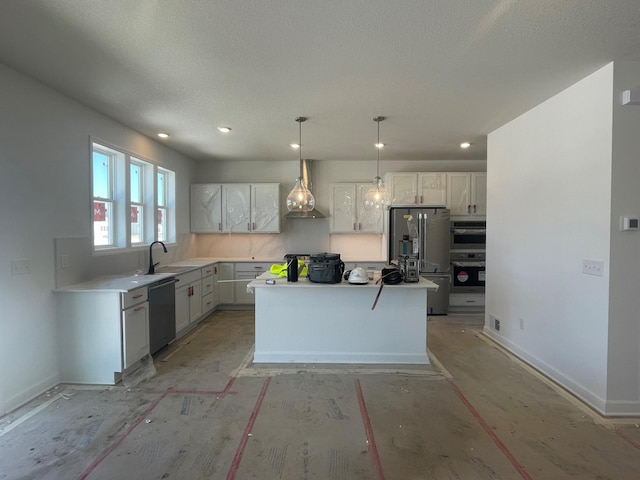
(265, 208)
(182, 307)
(369, 221)
(206, 208)
(236, 208)
(479, 193)
(459, 195)
(135, 334)
(225, 289)
(342, 208)
(216, 286)
(195, 301)
(403, 188)
(432, 187)
(241, 294)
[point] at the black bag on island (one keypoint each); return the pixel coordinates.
(325, 268)
(391, 275)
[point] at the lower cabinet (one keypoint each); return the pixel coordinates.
(101, 334)
(135, 333)
(225, 286)
(208, 288)
(188, 299)
(247, 271)
(466, 302)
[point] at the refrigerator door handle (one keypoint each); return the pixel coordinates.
(422, 236)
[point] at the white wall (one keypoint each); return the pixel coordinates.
(309, 236)
(548, 207)
(45, 194)
(624, 317)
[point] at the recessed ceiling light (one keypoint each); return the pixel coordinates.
(295, 145)
(379, 145)
(163, 135)
(224, 129)
(465, 145)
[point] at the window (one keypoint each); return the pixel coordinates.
(165, 201)
(133, 200)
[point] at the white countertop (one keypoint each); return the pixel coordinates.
(129, 281)
(303, 282)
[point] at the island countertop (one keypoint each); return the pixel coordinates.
(304, 282)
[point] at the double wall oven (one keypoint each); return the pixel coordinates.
(467, 247)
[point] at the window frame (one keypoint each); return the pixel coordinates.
(120, 226)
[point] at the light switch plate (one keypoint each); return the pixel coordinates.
(593, 267)
(20, 266)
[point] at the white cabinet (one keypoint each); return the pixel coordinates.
(347, 215)
(467, 193)
(188, 298)
(247, 271)
(208, 288)
(419, 188)
(225, 288)
(265, 208)
(135, 333)
(235, 208)
(206, 208)
(101, 334)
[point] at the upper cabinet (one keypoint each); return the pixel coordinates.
(421, 188)
(235, 208)
(347, 215)
(265, 207)
(206, 208)
(467, 193)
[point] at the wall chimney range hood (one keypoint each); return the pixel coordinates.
(305, 173)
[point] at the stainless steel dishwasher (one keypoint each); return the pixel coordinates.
(162, 313)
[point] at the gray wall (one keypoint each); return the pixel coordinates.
(44, 195)
(558, 178)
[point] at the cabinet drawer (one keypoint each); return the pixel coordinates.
(252, 267)
(207, 303)
(189, 277)
(134, 297)
(207, 285)
(466, 300)
(208, 270)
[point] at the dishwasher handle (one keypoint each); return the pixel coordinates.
(163, 283)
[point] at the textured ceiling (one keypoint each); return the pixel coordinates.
(441, 71)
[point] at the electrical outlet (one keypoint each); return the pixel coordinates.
(593, 267)
(494, 322)
(21, 266)
(522, 324)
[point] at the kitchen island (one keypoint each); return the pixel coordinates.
(305, 322)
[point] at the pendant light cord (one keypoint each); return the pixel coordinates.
(378, 119)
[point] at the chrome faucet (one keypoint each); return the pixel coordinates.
(152, 266)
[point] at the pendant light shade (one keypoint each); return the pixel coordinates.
(300, 198)
(377, 197)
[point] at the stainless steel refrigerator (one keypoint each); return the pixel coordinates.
(424, 232)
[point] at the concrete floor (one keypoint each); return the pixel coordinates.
(475, 413)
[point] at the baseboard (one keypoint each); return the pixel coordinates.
(29, 394)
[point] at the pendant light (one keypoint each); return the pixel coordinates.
(377, 197)
(300, 198)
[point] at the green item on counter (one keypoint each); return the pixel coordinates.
(281, 270)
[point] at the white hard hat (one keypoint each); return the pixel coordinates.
(358, 275)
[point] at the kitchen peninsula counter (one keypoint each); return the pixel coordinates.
(305, 322)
